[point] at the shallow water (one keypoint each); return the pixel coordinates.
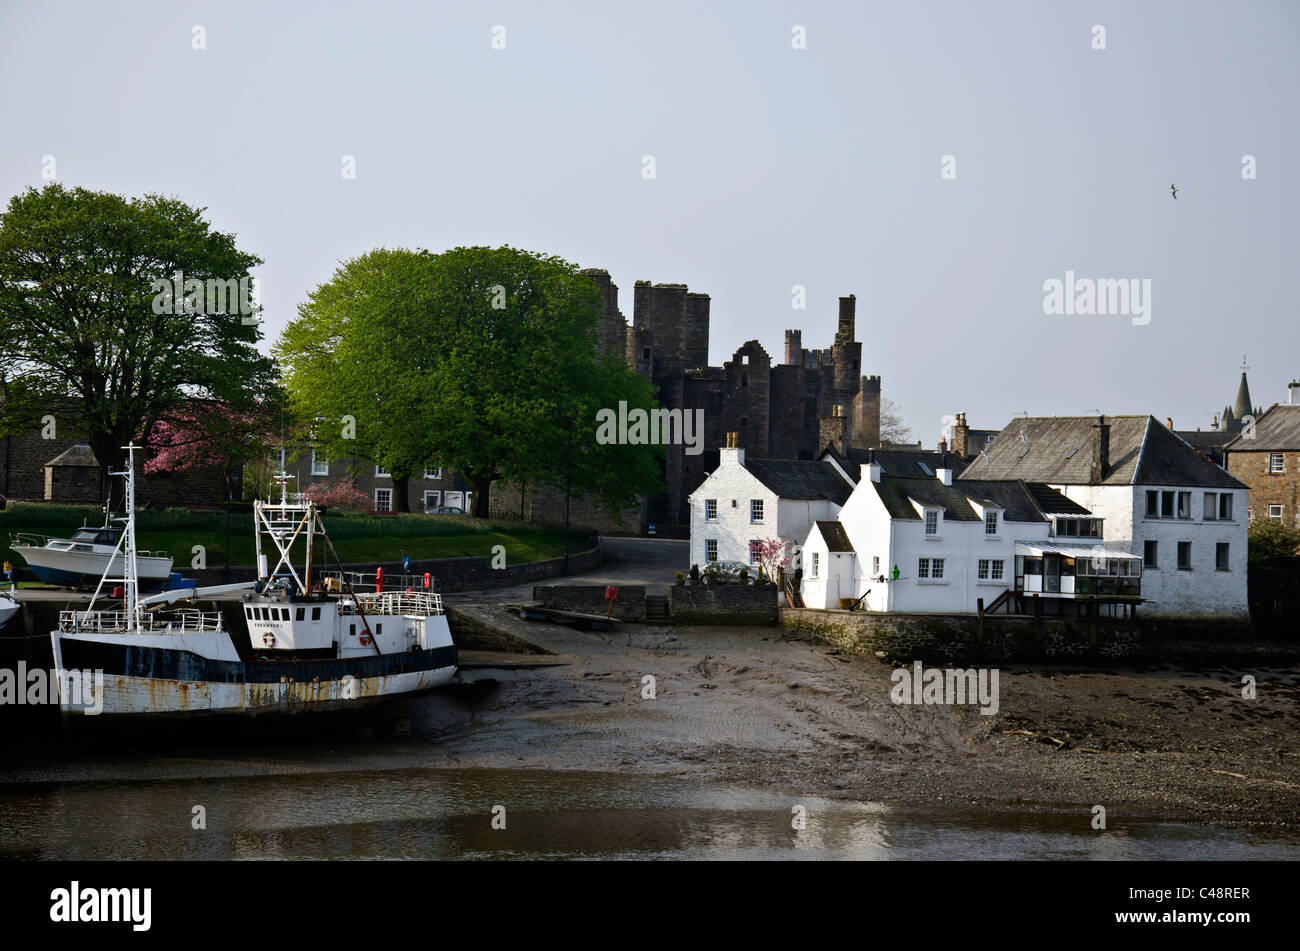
(437, 813)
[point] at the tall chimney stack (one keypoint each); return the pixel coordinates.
(1100, 450)
(961, 437)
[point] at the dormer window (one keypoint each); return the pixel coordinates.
(1077, 527)
(990, 523)
(931, 522)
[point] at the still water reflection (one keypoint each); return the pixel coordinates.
(419, 813)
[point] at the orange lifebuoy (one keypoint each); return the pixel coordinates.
(365, 637)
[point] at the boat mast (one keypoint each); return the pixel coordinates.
(132, 605)
(130, 579)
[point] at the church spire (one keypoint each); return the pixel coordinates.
(1243, 407)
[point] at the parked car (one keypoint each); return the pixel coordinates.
(445, 510)
(729, 572)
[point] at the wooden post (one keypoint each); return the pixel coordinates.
(979, 624)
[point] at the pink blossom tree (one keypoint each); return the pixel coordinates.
(199, 435)
(339, 495)
(773, 554)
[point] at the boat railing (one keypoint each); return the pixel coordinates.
(392, 603)
(29, 539)
(182, 621)
(363, 582)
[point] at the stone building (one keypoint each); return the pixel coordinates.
(54, 464)
(788, 409)
(1157, 496)
(436, 486)
(1268, 461)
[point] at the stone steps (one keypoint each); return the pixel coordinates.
(656, 609)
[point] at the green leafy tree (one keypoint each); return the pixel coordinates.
(1272, 544)
(480, 359)
(86, 326)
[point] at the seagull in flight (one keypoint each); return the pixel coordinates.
(1174, 190)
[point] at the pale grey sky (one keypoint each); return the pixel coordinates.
(775, 166)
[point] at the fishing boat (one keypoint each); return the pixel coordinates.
(87, 556)
(310, 639)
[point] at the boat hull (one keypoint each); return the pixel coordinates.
(144, 681)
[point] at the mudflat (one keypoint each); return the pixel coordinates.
(1172, 739)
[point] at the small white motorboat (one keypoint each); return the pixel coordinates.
(86, 557)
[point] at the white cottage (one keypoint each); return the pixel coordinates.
(744, 502)
(931, 544)
(1161, 500)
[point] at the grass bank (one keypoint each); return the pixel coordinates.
(358, 538)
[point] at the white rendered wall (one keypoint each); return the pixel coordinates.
(1169, 592)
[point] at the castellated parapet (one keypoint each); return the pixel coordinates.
(791, 410)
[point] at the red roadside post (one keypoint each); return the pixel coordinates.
(611, 595)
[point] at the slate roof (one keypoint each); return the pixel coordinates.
(80, 455)
(835, 536)
(800, 479)
(1208, 442)
(905, 463)
(1053, 502)
(1020, 502)
(1058, 450)
(1278, 430)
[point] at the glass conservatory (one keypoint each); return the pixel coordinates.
(1077, 571)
